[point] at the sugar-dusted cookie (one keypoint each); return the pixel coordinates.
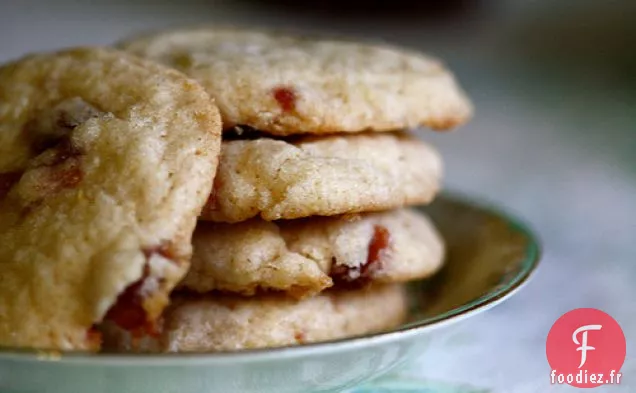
(283, 84)
(305, 256)
(105, 162)
(322, 176)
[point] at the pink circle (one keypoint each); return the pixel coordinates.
(586, 348)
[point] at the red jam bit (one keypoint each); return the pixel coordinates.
(361, 275)
(129, 314)
(60, 166)
(286, 98)
(379, 243)
(51, 180)
(94, 337)
(300, 337)
(7, 181)
(128, 311)
(67, 178)
(150, 328)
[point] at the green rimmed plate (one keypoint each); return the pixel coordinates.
(490, 256)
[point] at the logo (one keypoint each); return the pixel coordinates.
(586, 348)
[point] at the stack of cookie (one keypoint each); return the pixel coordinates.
(307, 235)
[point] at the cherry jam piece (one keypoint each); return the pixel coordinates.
(286, 98)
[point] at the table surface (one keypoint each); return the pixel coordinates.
(553, 147)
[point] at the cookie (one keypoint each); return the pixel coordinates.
(284, 85)
(105, 162)
(219, 324)
(322, 176)
(306, 256)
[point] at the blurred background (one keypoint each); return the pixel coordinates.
(553, 139)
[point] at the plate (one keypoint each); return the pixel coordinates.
(491, 255)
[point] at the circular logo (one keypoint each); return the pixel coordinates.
(586, 348)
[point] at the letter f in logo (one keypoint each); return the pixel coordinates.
(583, 344)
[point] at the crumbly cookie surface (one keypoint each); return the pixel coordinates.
(303, 257)
(322, 176)
(105, 162)
(286, 85)
(214, 324)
